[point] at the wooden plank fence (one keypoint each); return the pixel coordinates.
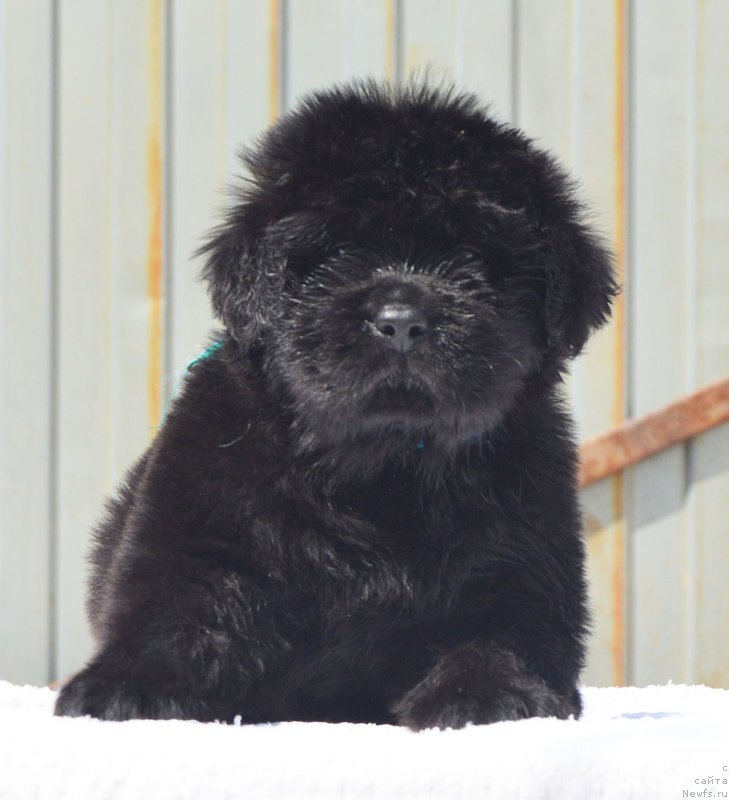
(119, 126)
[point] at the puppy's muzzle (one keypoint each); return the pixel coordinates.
(401, 326)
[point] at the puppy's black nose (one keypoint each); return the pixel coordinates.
(401, 326)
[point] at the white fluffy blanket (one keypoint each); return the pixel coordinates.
(660, 742)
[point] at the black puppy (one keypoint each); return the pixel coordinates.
(362, 506)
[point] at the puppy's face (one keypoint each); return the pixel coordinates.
(407, 266)
(372, 341)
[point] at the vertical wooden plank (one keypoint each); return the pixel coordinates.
(367, 43)
(571, 97)
(546, 108)
(199, 163)
(597, 384)
(659, 369)
(26, 189)
(314, 47)
(545, 89)
(136, 228)
(429, 38)
(226, 88)
(485, 53)
(254, 58)
(110, 273)
(710, 453)
(264, 37)
(82, 415)
(331, 42)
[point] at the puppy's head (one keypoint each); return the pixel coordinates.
(406, 263)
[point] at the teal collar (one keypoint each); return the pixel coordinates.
(207, 353)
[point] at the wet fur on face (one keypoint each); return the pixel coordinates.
(362, 506)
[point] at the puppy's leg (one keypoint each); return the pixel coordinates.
(186, 652)
(114, 687)
(121, 684)
(481, 682)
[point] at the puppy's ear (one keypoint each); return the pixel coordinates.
(235, 275)
(248, 259)
(580, 287)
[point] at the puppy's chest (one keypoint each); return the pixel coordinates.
(391, 551)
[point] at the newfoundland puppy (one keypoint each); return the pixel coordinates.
(362, 504)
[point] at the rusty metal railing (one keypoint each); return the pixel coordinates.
(639, 438)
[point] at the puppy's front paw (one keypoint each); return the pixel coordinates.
(86, 694)
(480, 687)
(92, 693)
(96, 693)
(423, 708)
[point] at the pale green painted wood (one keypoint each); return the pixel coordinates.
(314, 47)
(661, 540)
(710, 453)
(545, 96)
(485, 54)
(224, 93)
(368, 45)
(598, 156)
(328, 43)
(566, 98)
(429, 37)
(253, 81)
(82, 413)
(136, 312)
(199, 161)
(26, 392)
(231, 65)
(110, 326)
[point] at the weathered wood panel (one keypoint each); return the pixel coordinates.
(709, 464)
(108, 188)
(83, 332)
(661, 540)
(429, 39)
(198, 164)
(485, 54)
(26, 329)
(599, 156)
(110, 273)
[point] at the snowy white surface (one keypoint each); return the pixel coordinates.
(657, 742)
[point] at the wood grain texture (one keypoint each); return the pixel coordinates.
(710, 451)
(109, 186)
(26, 333)
(659, 552)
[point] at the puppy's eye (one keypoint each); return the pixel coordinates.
(303, 262)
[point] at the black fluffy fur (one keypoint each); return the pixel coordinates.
(325, 527)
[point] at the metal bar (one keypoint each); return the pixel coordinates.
(638, 439)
